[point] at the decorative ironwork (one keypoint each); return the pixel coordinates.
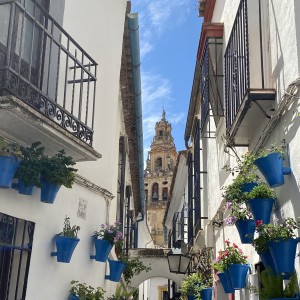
(16, 237)
(52, 74)
(237, 80)
(202, 263)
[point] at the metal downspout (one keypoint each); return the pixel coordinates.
(133, 26)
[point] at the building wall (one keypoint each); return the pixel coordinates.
(98, 27)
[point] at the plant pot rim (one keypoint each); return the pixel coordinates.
(66, 237)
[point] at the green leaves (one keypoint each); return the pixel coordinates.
(69, 231)
(261, 191)
(86, 292)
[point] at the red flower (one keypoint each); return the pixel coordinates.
(226, 253)
(245, 256)
(235, 245)
(258, 223)
(227, 242)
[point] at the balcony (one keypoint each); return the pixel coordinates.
(47, 83)
(249, 95)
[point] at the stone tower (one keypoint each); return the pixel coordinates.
(158, 176)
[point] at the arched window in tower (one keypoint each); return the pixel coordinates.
(155, 192)
(146, 195)
(165, 194)
(158, 164)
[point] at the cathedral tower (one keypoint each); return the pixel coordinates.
(158, 176)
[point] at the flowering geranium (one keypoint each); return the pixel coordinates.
(231, 255)
(110, 233)
(274, 232)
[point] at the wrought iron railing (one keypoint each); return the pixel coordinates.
(190, 201)
(237, 81)
(16, 237)
(41, 64)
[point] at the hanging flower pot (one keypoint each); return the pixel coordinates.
(24, 189)
(102, 247)
(65, 247)
(8, 168)
(246, 230)
(48, 191)
(283, 253)
(73, 297)
(247, 187)
(116, 268)
(191, 297)
(206, 294)
(228, 289)
(261, 209)
(267, 261)
(228, 279)
(238, 274)
(272, 168)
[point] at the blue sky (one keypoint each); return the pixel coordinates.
(169, 34)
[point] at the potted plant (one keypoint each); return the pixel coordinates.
(104, 239)
(123, 294)
(29, 170)
(235, 265)
(243, 220)
(191, 286)
(273, 288)
(206, 288)
(219, 267)
(56, 171)
(269, 163)
(260, 201)
(66, 242)
(82, 291)
(116, 268)
(9, 153)
(133, 265)
(282, 243)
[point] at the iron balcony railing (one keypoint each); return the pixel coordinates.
(41, 64)
(237, 81)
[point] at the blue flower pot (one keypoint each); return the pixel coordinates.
(103, 247)
(8, 168)
(228, 289)
(228, 279)
(116, 269)
(267, 261)
(272, 168)
(191, 297)
(48, 191)
(261, 209)
(73, 297)
(246, 230)
(206, 294)
(23, 189)
(248, 187)
(65, 247)
(238, 274)
(283, 253)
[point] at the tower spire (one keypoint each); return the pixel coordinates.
(163, 115)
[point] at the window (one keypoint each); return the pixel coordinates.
(165, 194)
(158, 164)
(155, 192)
(146, 195)
(16, 236)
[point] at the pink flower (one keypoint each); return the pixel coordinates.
(259, 222)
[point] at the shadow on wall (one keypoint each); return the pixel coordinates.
(297, 22)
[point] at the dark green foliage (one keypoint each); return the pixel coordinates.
(8, 148)
(272, 286)
(30, 167)
(69, 231)
(261, 191)
(86, 292)
(57, 169)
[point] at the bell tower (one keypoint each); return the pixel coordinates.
(158, 175)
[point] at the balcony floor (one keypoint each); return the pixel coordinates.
(250, 114)
(25, 125)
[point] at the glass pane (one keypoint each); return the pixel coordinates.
(4, 23)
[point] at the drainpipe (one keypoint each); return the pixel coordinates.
(133, 26)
